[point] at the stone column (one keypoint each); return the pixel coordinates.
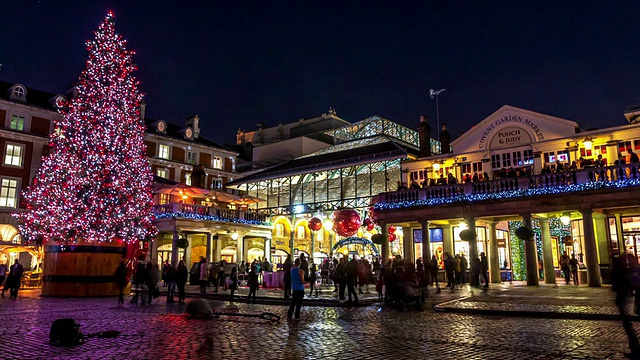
(312, 247)
(591, 249)
(385, 243)
(473, 244)
(187, 252)
(537, 162)
(600, 222)
(612, 152)
(209, 248)
(218, 248)
(530, 254)
(240, 249)
(174, 248)
(494, 260)
(547, 252)
(447, 239)
(407, 243)
(245, 248)
(267, 249)
(426, 242)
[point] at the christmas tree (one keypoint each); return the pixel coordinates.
(95, 184)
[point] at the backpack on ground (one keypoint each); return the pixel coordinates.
(65, 332)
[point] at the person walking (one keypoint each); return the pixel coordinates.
(287, 277)
(352, 279)
(3, 275)
(151, 280)
(564, 266)
(165, 268)
(204, 275)
(213, 276)
(622, 285)
(121, 280)
(13, 280)
(484, 269)
(458, 272)
(340, 277)
(252, 282)
(450, 268)
(573, 264)
(297, 284)
(182, 274)
(464, 265)
(475, 272)
(332, 273)
(139, 282)
(233, 282)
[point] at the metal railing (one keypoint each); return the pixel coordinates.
(192, 211)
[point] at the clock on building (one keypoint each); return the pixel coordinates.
(60, 101)
(188, 133)
(162, 126)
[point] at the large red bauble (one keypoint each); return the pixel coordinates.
(391, 230)
(392, 237)
(346, 222)
(314, 224)
(369, 224)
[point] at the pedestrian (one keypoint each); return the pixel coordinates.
(363, 275)
(15, 273)
(232, 281)
(464, 265)
(622, 278)
(297, 284)
(152, 281)
(165, 268)
(324, 272)
(340, 278)
(332, 273)
(287, 277)
(221, 276)
(204, 275)
(450, 268)
(213, 276)
(170, 279)
(252, 282)
(3, 275)
(476, 269)
(573, 264)
(380, 285)
(304, 266)
(312, 279)
(433, 270)
(458, 271)
(139, 277)
(484, 269)
(564, 266)
(182, 274)
(352, 279)
(121, 280)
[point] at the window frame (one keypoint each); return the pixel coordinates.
(161, 148)
(3, 199)
(168, 173)
(17, 117)
(20, 156)
(218, 160)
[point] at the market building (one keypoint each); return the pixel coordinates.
(577, 189)
(334, 184)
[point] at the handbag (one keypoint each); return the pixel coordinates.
(156, 293)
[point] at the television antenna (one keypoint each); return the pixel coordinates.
(433, 94)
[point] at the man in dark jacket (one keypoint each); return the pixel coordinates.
(484, 269)
(121, 280)
(352, 278)
(15, 276)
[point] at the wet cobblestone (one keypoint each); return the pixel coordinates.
(161, 331)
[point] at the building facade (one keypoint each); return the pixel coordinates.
(577, 189)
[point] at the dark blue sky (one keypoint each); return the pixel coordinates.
(238, 63)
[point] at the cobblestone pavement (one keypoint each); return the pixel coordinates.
(162, 331)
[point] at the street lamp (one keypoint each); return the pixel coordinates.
(588, 143)
(234, 236)
(565, 218)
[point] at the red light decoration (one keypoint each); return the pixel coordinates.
(314, 224)
(346, 222)
(369, 224)
(392, 237)
(95, 183)
(391, 229)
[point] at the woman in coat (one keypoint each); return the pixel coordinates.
(181, 280)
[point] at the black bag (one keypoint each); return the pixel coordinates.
(65, 332)
(156, 293)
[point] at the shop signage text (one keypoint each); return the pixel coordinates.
(507, 120)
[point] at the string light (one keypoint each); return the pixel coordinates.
(211, 218)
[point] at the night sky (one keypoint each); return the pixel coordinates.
(239, 63)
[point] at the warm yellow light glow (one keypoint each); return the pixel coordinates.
(587, 143)
(436, 166)
(234, 236)
(327, 225)
(565, 218)
(463, 226)
(185, 197)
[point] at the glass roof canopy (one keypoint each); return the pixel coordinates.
(374, 126)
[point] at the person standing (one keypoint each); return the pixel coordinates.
(252, 282)
(287, 276)
(450, 268)
(573, 264)
(204, 275)
(3, 274)
(484, 269)
(121, 280)
(433, 270)
(15, 274)
(458, 272)
(182, 274)
(233, 282)
(312, 279)
(464, 265)
(340, 277)
(564, 266)
(297, 284)
(352, 279)
(165, 268)
(213, 276)
(151, 280)
(170, 279)
(304, 266)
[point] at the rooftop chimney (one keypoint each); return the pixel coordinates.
(445, 140)
(143, 110)
(424, 133)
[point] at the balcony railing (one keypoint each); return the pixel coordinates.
(213, 213)
(571, 181)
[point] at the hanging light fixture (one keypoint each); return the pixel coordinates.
(234, 236)
(588, 143)
(463, 226)
(565, 218)
(436, 166)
